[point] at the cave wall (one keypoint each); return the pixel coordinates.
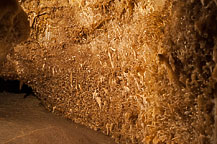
(14, 27)
(138, 71)
(191, 45)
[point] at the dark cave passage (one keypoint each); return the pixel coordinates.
(15, 86)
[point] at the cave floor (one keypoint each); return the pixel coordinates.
(25, 121)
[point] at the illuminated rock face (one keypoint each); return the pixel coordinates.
(125, 68)
(14, 26)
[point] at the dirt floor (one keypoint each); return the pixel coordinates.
(25, 121)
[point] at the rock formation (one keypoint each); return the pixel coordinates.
(14, 27)
(135, 70)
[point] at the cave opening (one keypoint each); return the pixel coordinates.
(15, 86)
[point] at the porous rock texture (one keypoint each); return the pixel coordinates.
(139, 71)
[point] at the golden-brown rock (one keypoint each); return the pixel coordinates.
(97, 63)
